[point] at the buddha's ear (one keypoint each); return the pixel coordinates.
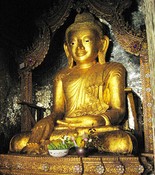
(103, 49)
(68, 55)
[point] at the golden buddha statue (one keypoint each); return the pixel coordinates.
(88, 93)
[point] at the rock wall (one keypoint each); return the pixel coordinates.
(9, 94)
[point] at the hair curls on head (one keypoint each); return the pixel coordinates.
(85, 20)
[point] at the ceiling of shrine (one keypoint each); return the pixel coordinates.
(17, 21)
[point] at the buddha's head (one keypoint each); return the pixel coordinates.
(85, 41)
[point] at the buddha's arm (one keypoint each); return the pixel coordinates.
(45, 126)
(117, 100)
(58, 97)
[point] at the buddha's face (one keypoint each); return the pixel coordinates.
(83, 45)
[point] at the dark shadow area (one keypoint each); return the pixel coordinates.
(128, 12)
(56, 58)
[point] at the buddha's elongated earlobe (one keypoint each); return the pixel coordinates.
(70, 58)
(103, 50)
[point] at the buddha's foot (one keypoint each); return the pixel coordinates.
(35, 148)
(31, 148)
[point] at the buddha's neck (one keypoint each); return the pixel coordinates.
(86, 65)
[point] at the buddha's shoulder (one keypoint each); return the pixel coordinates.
(61, 73)
(114, 67)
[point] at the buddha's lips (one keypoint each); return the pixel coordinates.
(81, 53)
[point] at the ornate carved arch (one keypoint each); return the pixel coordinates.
(111, 11)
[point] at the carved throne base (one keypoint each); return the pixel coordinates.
(13, 164)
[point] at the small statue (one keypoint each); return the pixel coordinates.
(87, 93)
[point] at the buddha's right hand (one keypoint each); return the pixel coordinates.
(41, 132)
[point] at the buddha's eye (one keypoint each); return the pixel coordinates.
(72, 43)
(87, 40)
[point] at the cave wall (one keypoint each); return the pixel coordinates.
(9, 95)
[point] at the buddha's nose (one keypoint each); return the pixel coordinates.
(80, 45)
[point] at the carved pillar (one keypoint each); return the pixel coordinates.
(149, 12)
(26, 89)
(147, 102)
(31, 59)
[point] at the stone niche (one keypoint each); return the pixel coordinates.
(128, 46)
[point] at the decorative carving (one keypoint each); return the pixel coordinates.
(113, 165)
(132, 165)
(45, 167)
(147, 104)
(58, 14)
(105, 9)
(120, 169)
(148, 163)
(36, 54)
(26, 86)
(25, 165)
(111, 11)
(100, 169)
(78, 169)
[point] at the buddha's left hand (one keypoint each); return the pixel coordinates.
(83, 121)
